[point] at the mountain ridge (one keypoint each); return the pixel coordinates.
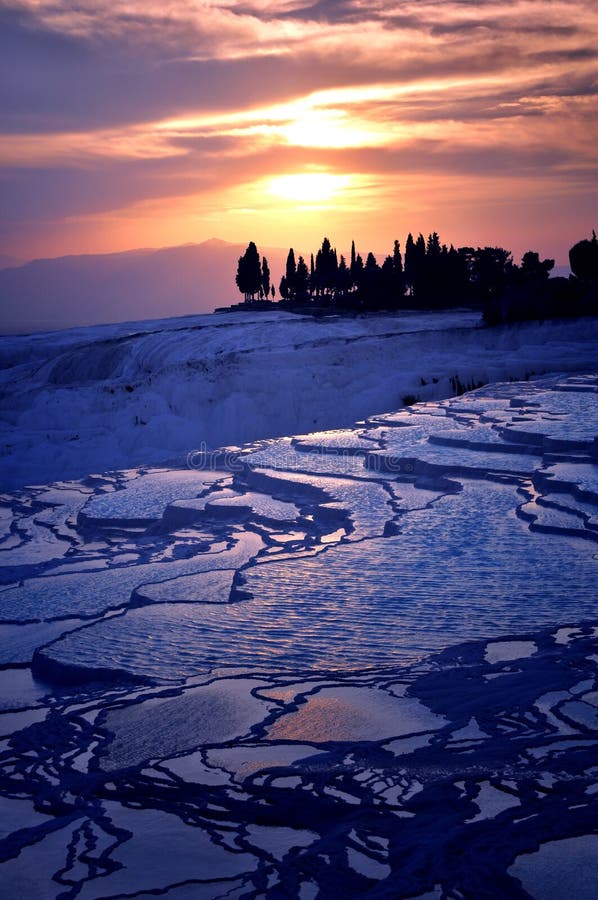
(143, 283)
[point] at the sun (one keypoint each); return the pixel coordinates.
(308, 187)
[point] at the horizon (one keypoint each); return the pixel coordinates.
(241, 245)
(279, 122)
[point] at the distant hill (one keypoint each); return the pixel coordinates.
(6, 261)
(48, 294)
(560, 272)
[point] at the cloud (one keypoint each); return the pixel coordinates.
(108, 105)
(69, 66)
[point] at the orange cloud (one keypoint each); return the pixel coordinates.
(197, 112)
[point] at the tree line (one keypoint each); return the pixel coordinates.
(429, 275)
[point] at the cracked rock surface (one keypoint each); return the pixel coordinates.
(356, 663)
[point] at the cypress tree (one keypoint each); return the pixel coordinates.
(249, 273)
(326, 267)
(410, 262)
(354, 269)
(397, 262)
(291, 272)
(265, 277)
(301, 279)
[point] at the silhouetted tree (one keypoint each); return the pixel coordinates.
(265, 277)
(397, 262)
(371, 283)
(420, 265)
(457, 275)
(326, 268)
(415, 261)
(435, 276)
(356, 267)
(491, 267)
(521, 292)
(249, 273)
(291, 273)
(429, 286)
(357, 272)
(466, 260)
(433, 248)
(392, 285)
(409, 260)
(583, 259)
(534, 269)
(343, 279)
(301, 280)
(388, 284)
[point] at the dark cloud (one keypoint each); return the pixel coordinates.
(57, 82)
(498, 27)
(49, 193)
(142, 68)
(21, 32)
(330, 11)
(98, 87)
(469, 105)
(450, 158)
(567, 55)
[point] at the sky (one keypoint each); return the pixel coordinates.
(135, 123)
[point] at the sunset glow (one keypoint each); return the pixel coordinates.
(307, 187)
(477, 121)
